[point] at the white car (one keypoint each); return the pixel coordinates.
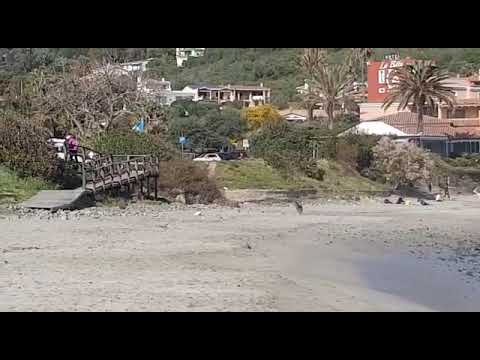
(60, 147)
(208, 157)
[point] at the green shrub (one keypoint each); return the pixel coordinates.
(24, 149)
(287, 148)
(183, 176)
(131, 143)
(356, 150)
(470, 160)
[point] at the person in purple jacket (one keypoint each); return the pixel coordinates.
(72, 146)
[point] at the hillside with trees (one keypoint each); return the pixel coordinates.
(275, 67)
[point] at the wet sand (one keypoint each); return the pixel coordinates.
(335, 257)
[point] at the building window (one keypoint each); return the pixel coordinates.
(381, 76)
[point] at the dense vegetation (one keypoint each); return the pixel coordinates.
(51, 89)
(275, 67)
(23, 148)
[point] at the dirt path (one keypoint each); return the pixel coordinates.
(212, 168)
(335, 257)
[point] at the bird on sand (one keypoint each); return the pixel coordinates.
(422, 202)
(298, 206)
(400, 201)
(387, 201)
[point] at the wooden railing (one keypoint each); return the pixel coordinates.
(101, 171)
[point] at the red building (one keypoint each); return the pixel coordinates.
(379, 79)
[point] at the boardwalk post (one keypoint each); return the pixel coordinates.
(156, 188)
(140, 193)
(82, 165)
(148, 187)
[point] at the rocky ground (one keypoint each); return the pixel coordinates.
(336, 256)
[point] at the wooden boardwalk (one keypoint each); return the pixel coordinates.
(102, 173)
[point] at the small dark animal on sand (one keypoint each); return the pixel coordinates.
(386, 201)
(299, 207)
(400, 201)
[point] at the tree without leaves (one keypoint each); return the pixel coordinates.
(421, 84)
(86, 99)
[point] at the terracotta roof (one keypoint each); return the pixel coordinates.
(429, 129)
(407, 123)
(464, 122)
(405, 118)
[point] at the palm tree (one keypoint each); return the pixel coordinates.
(334, 83)
(309, 62)
(420, 84)
(358, 60)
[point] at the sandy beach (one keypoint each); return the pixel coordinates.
(337, 256)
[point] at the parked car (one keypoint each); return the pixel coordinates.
(61, 149)
(59, 145)
(234, 155)
(209, 157)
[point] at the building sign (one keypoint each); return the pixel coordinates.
(381, 79)
(392, 57)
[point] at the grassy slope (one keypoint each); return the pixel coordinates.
(255, 174)
(14, 188)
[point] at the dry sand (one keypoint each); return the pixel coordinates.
(335, 257)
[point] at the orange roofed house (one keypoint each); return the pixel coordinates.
(446, 131)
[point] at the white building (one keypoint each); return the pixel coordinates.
(183, 54)
(246, 94)
(374, 128)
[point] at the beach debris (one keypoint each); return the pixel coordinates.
(422, 202)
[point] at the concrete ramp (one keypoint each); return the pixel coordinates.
(59, 199)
